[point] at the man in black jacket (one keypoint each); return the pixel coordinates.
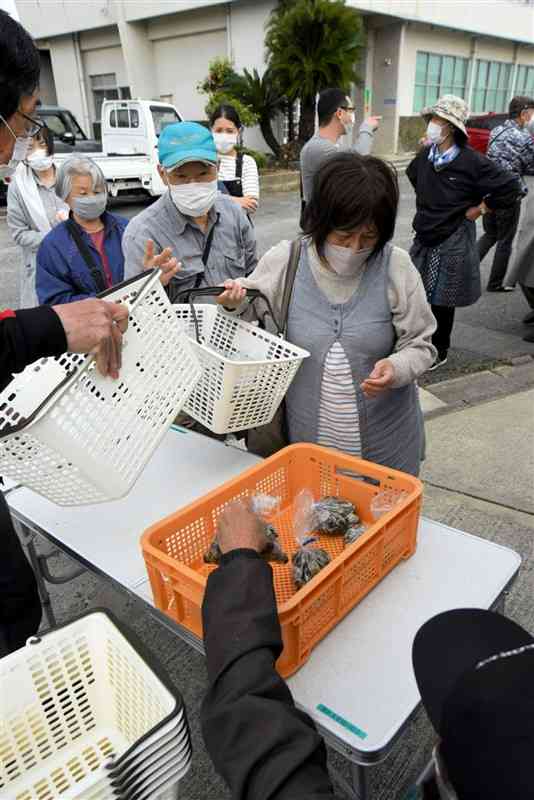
(261, 744)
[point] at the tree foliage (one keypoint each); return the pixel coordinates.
(313, 45)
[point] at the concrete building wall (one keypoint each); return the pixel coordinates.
(55, 17)
(47, 84)
(70, 89)
(512, 19)
(387, 50)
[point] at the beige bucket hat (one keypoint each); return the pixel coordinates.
(451, 108)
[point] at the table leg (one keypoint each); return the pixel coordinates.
(359, 781)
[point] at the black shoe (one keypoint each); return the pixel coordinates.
(529, 319)
(500, 289)
(529, 337)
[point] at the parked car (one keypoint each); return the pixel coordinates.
(68, 134)
(479, 128)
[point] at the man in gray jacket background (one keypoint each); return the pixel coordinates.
(336, 118)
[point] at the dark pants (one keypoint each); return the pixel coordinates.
(441, 339)
(500, 228)
(20, 605)
(528, 292)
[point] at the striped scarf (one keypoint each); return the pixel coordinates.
(440, 160)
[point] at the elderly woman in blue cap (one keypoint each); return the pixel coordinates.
(207, 233)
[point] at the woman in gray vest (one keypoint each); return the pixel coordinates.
(359, 307)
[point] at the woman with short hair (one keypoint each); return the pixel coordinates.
(358, 306)
(82, 256)
(33, 208)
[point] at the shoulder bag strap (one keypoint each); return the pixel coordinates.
(291, 271)
(96, 273)
(239, 166)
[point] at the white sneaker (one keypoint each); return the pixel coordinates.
(439, 362)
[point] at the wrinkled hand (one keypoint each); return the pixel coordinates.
(248, 203)
(95, 326)
(374, 122)
(239, 527)
(380, 379)
(168, 265)
(233, 296)
(473, 213)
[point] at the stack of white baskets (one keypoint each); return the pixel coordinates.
(84, 717)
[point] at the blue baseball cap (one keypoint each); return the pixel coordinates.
(183, 142)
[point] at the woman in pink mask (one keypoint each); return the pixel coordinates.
(358, 306)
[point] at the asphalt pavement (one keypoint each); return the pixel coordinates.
(486, 334)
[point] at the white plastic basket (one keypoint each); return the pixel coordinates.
(246, 371)
(80, 709)
(76, 437)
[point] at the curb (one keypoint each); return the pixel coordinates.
(466, 391)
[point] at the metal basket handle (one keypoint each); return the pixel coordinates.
(214, 291)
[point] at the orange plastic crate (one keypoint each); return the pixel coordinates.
(173, 548)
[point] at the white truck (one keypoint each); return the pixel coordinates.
(129, 157)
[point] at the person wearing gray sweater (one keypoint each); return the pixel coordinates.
(359, 307)
(336, 118)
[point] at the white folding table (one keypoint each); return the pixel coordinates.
(358, 685)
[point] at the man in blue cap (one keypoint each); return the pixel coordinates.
(208, 234)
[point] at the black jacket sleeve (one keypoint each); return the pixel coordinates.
(26, 336)
(498, 187)
(411, 170)
(261, 744)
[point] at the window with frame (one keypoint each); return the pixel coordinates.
(491, 86)
(524, 80)
(124, 118)
(436, 75)
(104, 87)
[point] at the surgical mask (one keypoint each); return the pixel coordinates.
(225, 142)
(435, 134)
(90, 206)
(20, 151)
(530, 125)
(39, 161)
(194, 199)
(344, 260)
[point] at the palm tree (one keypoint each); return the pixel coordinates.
(262, 96)
(313, 44)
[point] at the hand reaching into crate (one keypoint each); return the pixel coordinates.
(239, 527)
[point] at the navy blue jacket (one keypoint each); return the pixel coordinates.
(63, 276)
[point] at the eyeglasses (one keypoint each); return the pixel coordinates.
(35, 125)
(348, 108)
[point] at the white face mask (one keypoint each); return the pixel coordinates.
(348, 122)
(435, 133)
(194, 199)
(225, 142)
(344, 260)
(39, 161)
(20, 151)
(530, 125)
